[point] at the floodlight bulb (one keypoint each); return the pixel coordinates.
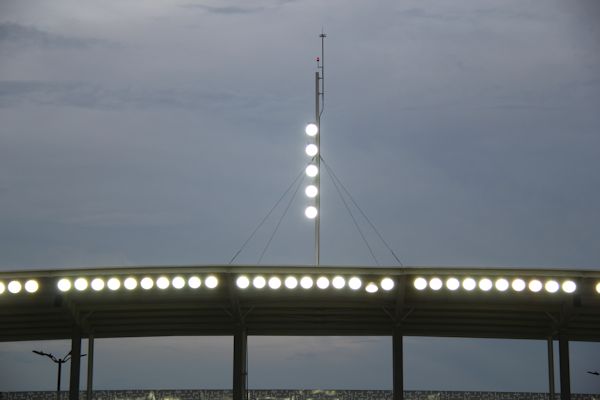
(569, 286)
(371, 287)
(535, 285)
(81, 284)
(31, 286)
(598, 287)
(194, 282)
(242, 282)
(354, 283)
(306, 282)
(130, 283)
(2, 287)
(311, 129)
(97, 284)
(113, 284)
(274, 282)
(311, 191)
(312, 171)
(162, 282)
(211, 282)
(291, 282)
(311, 212)
(469, 284)
(178, 282)
(435, 283)
(501, 285)
(259, 282)
(387, 284)
(64, 285)
(147, 283)
(322, 282)
(311, 150)
(452, 284)
(518, 285)
(14, 287)
(552, 286)
(338, 282)
(420, 283)
(485, 284)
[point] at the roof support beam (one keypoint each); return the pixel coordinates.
(75, 363)
(565, 378)
(398, 364)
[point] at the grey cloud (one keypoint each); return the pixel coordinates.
(16, 35)
(227, 10)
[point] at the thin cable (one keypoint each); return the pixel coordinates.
(363, 214)
(279, 222)
(266, 217)
(351, 215)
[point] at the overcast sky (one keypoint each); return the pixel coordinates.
(136, 132)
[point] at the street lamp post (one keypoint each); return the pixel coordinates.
(60, 362)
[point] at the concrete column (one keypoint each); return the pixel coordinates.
(565, 378)
(90, 367)
(240, 358)
(75, 363)
(398, 365)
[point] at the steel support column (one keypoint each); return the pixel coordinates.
(565, 379)
(398, 365)
(75, 363)
(90, 367)
(240, 358)
(551, 387)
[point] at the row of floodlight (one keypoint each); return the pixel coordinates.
(500, 284)
(16, 286)
(130, 283)
(312, 170)
(308, 282)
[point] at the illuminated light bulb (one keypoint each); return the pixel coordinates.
(452, 284)
(322, 282)
(178, 282)
(420, 283)
(31, 286)
(518, 285)
(387, 284)
(291, 282)
(2, 287)
(535, 285)
(435, 283)
(14, 287)
(469, 284)
(147, 283)
(354, 283)
(274, 282)
(311, 129)
(162, 282)
(312, 171)
(552, 286)
(501, 285)
(371, 287)
(311, 150)
(97, 284)
(130, 283)
(311, 191)
(194, 282)
(81, 284)
(485, 284)
(598, 287)
(113, 284)
(338, 282)
(64, 285)
(211, 282)
(311, 212)
(569, 286)
(306, 282)
(242, 282)
(259, 282)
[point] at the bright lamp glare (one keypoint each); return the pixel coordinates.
(64, 285)
(469, 284)
(387, 284)
(502, 285)
(162, 282)
(130, 283)
(354, 283)
(274, 282)
(14, 287)
(259, 282)
(97, 284)
(311, 191)
(371, 287)
(178, 282)
(435, 283)
(81, 284)
(31, 286)
(306, 282)
(113, 284)
(147, 283)
(311, 171)
(242, 282)
(322, 282)
(420, 283)
(2, 287)
(311, 212)
(485, 284)
(598, 287)
(338, 282)
(569, 286)
(311, 129)
(552, 286)
(518, 285)
(291, 282)
(211, 282)
(194, 282)
(535, 285)
(452, 284)
(311, 150)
